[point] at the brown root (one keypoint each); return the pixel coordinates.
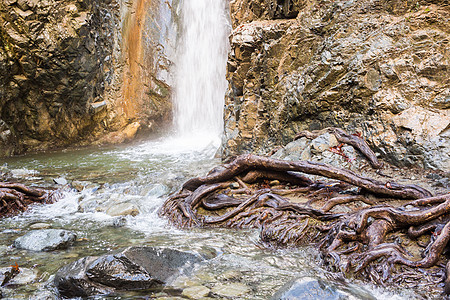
(16, 197)
(364, 240)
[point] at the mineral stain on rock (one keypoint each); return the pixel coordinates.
(78, 72)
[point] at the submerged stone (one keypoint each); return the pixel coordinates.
(45, 240)
(308, 288)
(123, 209)
(196, 292)
(231, 290)
(40, 226)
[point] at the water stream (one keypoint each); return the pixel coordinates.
(200, 82)
(143, 175)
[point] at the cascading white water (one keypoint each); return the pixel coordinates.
(200, 82)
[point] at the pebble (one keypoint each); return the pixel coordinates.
(230, 275)
(60, 180)
(26, 276)
(234, 185)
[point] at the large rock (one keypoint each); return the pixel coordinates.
(72, 71)
(309, 288)
(131, 269)
(45, 240)
(376, 67)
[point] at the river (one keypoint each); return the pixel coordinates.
(142, 175)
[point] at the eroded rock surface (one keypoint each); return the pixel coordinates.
(131, 269)
(375, 67)
(63, 66)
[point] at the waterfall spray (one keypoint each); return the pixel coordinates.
(200, 82)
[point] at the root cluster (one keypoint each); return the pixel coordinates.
(16, 197)
(384, 231)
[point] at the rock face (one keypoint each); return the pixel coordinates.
(45, 240)
(375, 67)
(63, 65)
(131, 269)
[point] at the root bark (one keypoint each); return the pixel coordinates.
(357, 222)
(16, 197)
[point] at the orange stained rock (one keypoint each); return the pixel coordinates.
(134, 58)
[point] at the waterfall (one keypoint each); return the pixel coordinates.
(200, 70)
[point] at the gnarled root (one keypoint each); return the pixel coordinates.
(360, 230)
(16, 197)
(354, 140)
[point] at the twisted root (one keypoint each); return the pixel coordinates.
(368, 241)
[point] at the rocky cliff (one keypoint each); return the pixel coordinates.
(378, 67)
(67, 68)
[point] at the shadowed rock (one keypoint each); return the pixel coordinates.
(134, 268)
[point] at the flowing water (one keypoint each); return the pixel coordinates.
(143, 175)
(200, 82)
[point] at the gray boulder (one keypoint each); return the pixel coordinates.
(71, 280)
(134, 268)
(309, 288)
(45, 240)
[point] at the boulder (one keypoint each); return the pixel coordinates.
(134, 268)
(308, 288)
(71, 280)
(45, 240)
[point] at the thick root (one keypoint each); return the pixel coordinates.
(355, 221)
(16, 197)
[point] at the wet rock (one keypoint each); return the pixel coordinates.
(230, 290)
(22, 173)
(40, 226)
(196, 292)
(308, 288)
(60, 180)
(25, 276)
(45, 240)
(71, 280)
(131, 269)
(80, 185)
(123, 209)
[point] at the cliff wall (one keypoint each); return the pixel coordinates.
(69, 68)
(377, 67)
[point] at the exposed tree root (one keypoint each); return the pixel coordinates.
(16, 197)
(361, 226)
(354, 140)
